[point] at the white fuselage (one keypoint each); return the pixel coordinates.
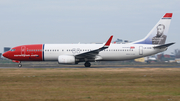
(115, 52)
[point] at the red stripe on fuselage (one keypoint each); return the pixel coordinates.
(27, 53)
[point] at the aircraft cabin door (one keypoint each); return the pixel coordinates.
(23, 50)
(140, 50)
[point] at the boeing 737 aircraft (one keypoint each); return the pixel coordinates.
(153, 43)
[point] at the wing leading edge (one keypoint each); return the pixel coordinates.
(93, 53)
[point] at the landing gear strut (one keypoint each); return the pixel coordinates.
(19, 65)
(87, 64)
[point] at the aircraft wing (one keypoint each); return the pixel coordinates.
(92, 54)
(164, 45)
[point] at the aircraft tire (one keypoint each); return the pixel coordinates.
(19, 65)
(87, 64)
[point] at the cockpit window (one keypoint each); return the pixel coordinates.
(12, 50)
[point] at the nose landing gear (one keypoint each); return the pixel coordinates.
(19, 65)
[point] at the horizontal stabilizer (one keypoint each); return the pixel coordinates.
(164, 45)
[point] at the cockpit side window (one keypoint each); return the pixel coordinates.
(12, 50)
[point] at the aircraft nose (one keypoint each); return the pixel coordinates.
(6, 55)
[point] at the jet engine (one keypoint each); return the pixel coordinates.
(66, 59)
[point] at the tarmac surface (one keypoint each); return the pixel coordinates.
(100, 67)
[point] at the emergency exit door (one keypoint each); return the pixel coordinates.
(23, 50)
(140, 50)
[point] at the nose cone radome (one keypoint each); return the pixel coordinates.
(6, 55)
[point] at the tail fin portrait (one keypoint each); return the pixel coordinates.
(158, 35)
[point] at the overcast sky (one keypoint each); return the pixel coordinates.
(72, 21)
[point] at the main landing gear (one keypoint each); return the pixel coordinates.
(87, 64)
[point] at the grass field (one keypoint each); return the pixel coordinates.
(90, 84)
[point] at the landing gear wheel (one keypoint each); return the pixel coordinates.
(87, 64)
(19, 65)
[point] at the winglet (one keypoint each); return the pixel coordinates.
(108, 42)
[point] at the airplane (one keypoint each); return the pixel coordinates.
(153, 43)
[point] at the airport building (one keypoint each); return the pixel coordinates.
(121, 41)
(6, 49)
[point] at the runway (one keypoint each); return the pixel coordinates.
(99, 67)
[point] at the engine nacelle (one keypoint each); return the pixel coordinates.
(66, 59)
